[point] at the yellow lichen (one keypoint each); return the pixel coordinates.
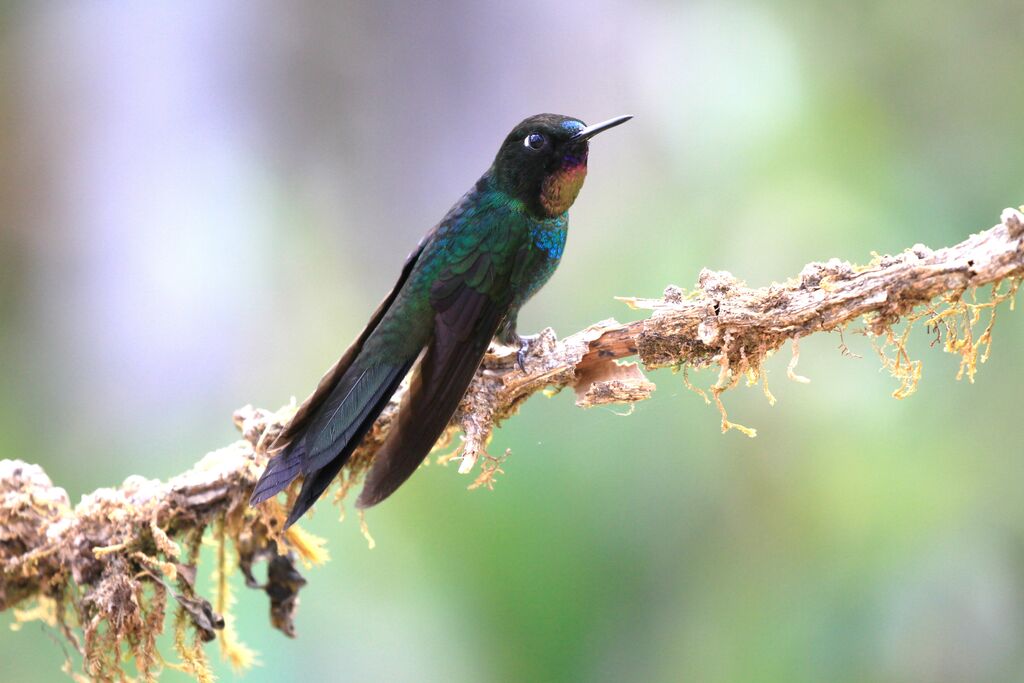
(728, 379)
(959, 319)
(193, 659)
(311, 549)
(791, 368)
(364, 529)
(490, 468)
(163, 542)
(695, 389)
(168, 569)
(764, 386)
(346, 480)
(44, 610)
(445, 458)
(727, 424)
(235, 652)
(843, 348)
(899, 364)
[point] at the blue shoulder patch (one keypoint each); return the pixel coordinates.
(550, 241)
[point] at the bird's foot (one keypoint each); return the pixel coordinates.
(524, 348)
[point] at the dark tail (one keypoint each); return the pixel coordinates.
(331, 435)
(280, 472)
(329, 424)
(317, 463)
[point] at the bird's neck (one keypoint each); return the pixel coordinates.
(559, 188)
(543, 197)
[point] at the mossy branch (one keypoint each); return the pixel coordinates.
(102, 572)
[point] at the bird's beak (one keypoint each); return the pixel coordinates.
(591, 131)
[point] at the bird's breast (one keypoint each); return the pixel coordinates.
(549, 237)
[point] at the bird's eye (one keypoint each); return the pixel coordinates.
(535, 141)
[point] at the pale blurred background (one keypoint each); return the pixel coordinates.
(200, 203)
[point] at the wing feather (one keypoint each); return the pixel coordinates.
(289, 448)
(324, 387)
(466, 320)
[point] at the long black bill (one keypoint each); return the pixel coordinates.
(591, 131)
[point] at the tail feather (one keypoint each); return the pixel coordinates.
(299, 424)
(344, 413)
(292, 447)
(319, 478)
(313, 486)
(333, 434)
(280, 472)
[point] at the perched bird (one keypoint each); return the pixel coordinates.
(459, 289)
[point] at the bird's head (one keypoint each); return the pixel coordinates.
(543, 161)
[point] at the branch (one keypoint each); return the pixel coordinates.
(103, 570)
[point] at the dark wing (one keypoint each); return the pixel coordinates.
(290, 446)
(471, 299)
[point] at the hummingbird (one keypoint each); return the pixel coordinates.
(461, 288)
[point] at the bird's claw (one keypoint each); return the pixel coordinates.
(524, 347)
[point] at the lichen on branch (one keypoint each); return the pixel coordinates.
(106, 571)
